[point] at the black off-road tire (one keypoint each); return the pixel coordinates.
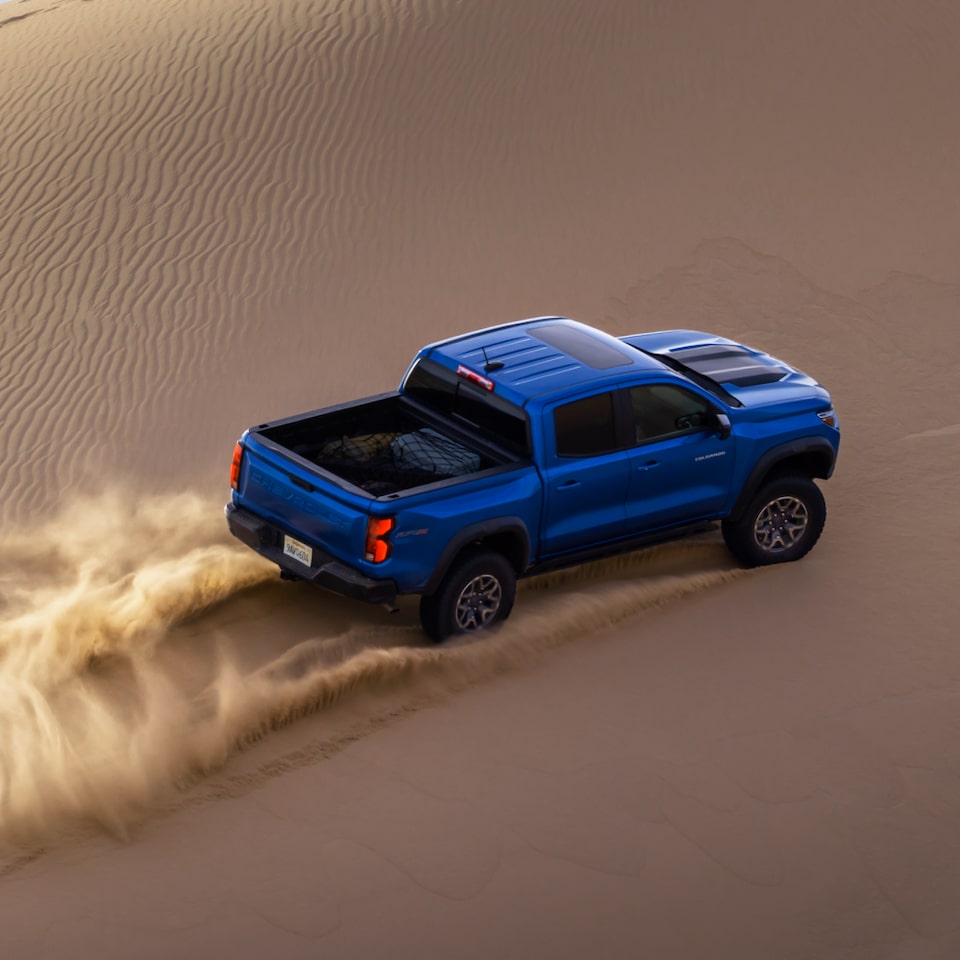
(781, 523)
(477, 592)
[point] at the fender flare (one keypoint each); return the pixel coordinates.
(478, 531)
(817, 445)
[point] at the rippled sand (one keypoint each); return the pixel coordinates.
(217, 212)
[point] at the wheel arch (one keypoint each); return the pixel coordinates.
(507, 536)
(811, 457)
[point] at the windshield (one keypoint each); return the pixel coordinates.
(701, 379)
(445, 393)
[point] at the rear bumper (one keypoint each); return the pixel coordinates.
(325, 570)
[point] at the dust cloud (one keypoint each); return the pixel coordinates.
(103, 712)
(87, 726)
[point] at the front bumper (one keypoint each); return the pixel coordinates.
(325, 570)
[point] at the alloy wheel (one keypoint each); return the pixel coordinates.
(781, 524)
(478, 602)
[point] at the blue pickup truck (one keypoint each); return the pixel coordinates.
(523, 447)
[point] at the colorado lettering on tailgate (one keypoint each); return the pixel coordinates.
(296, 499)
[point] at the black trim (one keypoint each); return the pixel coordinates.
(615, 547)
(326, 571)
(456, 425)
(623, 415)
(694, 376)
(478, 531)
(816, 445)
(450, 397)
(323, 411)
(713, 361)
(756, 379)
(284, 453)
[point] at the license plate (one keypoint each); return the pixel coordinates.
(297, 550)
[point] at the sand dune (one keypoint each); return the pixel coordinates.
(190, 194)
(221, 211)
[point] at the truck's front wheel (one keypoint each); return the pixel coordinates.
(782, 523)
(478, 592)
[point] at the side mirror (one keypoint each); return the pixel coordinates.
(690, 421)
(723, 426)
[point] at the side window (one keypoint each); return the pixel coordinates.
(662, 410)
(585, 428)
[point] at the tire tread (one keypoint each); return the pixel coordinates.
(738, 534)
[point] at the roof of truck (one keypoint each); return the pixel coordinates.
(541, 355)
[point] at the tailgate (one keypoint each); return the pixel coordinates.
(296, 496)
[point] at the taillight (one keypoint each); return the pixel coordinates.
(377, 547)
(235, 467)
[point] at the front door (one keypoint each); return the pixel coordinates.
(680, 469)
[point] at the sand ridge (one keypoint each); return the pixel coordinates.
(190, 179)
(221, 211)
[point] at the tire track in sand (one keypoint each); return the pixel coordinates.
(129, 665)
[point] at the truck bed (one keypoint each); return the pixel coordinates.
(382, 446)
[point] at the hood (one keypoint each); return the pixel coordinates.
(751, 376)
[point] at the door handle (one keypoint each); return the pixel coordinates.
(302, 484)
(649, 465)
(568, 484)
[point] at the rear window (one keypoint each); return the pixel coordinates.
(445, 393)
(586, 428)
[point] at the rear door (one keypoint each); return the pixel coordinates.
(586, 473)
(680, 469)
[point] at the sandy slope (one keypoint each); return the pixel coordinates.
(219, 211)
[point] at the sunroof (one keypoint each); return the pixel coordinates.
(581, 346)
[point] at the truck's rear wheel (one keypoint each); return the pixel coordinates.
(782, 523)
(478, 592)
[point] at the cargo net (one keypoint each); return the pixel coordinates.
(383, 463)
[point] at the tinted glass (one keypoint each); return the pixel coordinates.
(580, 345)
(700, 379)
(586, 427)
(661, 411)
(452, 396)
